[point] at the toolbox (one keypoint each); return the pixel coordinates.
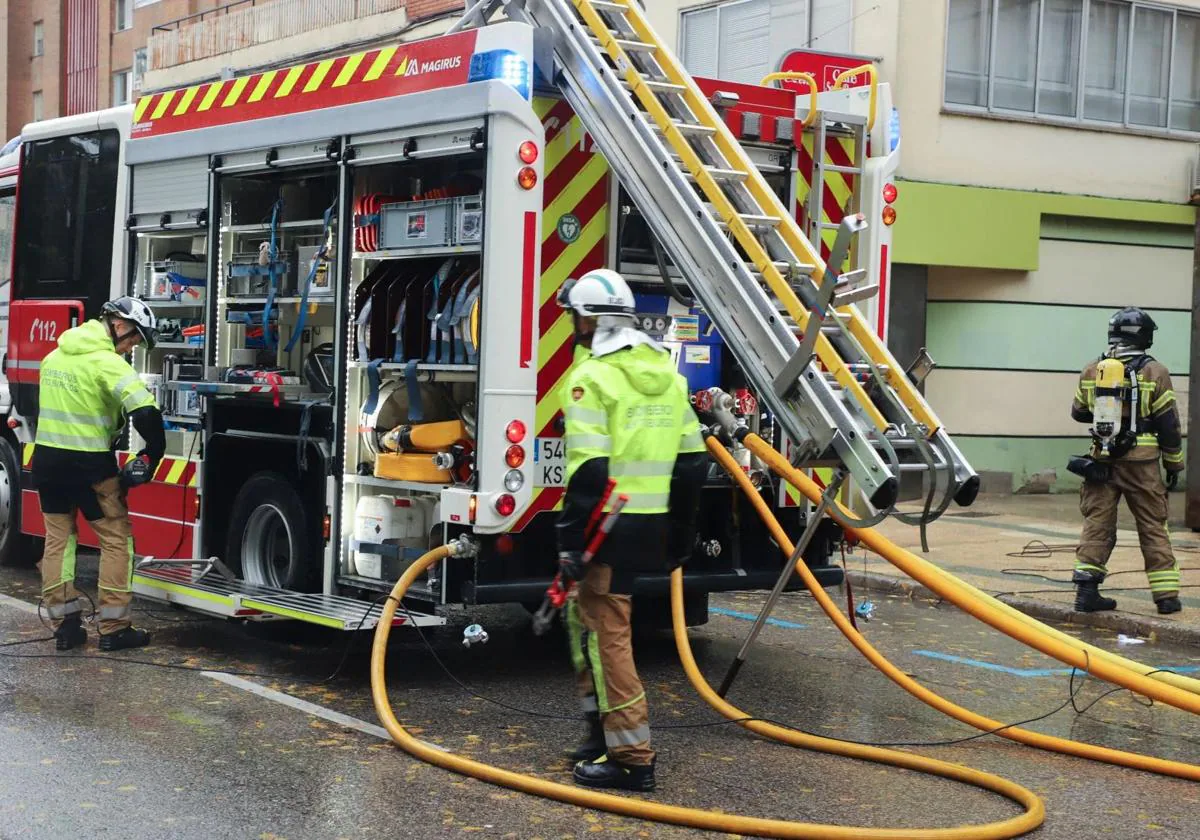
(416, 224)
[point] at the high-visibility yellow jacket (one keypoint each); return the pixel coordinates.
(628, 417)
(86, 391)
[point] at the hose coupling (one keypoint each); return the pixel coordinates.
(464, 546)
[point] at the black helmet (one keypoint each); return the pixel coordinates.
(1132, 326)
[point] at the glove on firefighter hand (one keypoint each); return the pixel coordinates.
(570, 563)
(136, 471)
(1172, 479)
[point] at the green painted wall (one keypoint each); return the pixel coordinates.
(1025, 336)
(979, 227)
(1024, 457)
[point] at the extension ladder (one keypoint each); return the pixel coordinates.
(827, 378)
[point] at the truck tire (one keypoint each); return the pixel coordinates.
(269, 541)
(13, 549)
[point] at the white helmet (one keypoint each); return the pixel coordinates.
(598, 293)
(136, 312)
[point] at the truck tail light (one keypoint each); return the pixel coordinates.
(472, 509)
(515, 456)
(515, 432)
(889, 193)
(528, 152)
(889, 215)
(506, 504)
(326, 526)
(527, 178)
(514, 480)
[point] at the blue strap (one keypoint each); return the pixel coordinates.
(373, 380)
(268, 338)
(416, 411)
(312, 273)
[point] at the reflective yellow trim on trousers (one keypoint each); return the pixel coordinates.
(68, 565)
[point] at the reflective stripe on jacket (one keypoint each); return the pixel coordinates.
(86, 390)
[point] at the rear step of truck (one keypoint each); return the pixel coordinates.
(207, 586)
(709, 206)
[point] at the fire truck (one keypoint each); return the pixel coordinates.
(354, 263)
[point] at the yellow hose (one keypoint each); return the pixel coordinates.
(1013, 733)
(981, 606)
(732, 823)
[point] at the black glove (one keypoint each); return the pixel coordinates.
(570, 563)
(1172, 479)
(136, 471)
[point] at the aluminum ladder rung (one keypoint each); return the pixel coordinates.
(718, 174)
(687, 128)
(856, 294)
(847, 170)
(657, 85)
(606, 6)
(753, 221)
(627, 45)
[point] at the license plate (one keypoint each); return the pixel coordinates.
(549, 462)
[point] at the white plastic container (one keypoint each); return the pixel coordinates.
(388, 520)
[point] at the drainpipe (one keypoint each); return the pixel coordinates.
(1191, 514)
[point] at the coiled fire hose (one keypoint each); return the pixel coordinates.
(1013, 733)
(632, 807)
(979, 604)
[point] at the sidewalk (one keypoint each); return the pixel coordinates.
(1004, 545)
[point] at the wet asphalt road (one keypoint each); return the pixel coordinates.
(91, 746)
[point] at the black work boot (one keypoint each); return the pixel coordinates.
(604, 772)
(1087, 594)
(592, 745)
(70, 633)
(122, 639)
(1168, 605)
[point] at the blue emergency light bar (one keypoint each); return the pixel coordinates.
(504, 65)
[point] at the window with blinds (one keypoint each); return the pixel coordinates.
(744, 40)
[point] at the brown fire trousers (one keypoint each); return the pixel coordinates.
(598, 624)
(1141, 485)
(60, 506)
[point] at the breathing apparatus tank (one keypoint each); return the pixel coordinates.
(1110, 393)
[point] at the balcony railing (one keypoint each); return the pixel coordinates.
(250, 22)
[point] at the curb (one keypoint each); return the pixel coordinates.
(1143, 626)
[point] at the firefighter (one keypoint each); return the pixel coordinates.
(87, 390)
(628, 416)
(1150, 428)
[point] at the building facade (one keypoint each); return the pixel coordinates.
(1047, 163)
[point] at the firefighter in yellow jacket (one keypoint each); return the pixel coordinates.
(628, 417)
(1123, 462)
(86, 392)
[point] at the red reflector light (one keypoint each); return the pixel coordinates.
(528, 152)
(505, 505)
(326, 526)
(889, 215)
(889, 193)
(515, 432)
(13, 422)
(504, 544)
(515, 456)
(472, 509)
(527, 178)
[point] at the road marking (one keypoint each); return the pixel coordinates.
(18, 604)
(306, 707)
(777, 622)
(1028, 672)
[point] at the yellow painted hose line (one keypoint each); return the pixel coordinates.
(1033, 817)
(1178, 680)
(979, 606)
(1013, 733)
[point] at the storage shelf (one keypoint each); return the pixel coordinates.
(183, 421)
(157, 305)
(387, 484)
(411, 253)
(265, 227)
(472, 370)
(232, 388)
(178, 345)
(238, 301)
